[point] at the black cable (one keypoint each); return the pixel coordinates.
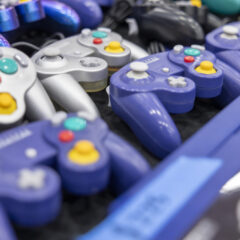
(118, 13)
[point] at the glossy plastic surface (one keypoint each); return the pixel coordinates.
(55, 140)
(169, 24)
(169, 84)
(225, 43)
(188, 182)
(89, 11)
(223, 7)
(60, 17)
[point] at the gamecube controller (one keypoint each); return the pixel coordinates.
(88, 156)
(86, 58)
(143, 93)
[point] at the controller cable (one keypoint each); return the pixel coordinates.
(155, 47)
(53, 38)
(118, 13)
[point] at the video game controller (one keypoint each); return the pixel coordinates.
(86, 57)
(87, 154)
(21, 92)
(225, 43)
(143, 93)
(60, 72)
(169, 24)
(29, 197)
(35, 14)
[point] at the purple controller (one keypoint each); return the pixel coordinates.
(85, 152)
(225, 43)
(142, 93)
(28, 196)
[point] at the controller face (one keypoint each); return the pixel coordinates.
(21, 92)
(87, 57)
(169, 24)
(85, 153)
(143, 93)
(225, 43)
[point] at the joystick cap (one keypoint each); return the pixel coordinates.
(84, 153)
(230, 30)
(114, 47)
(206, 67)
(7, 104)
(138, 70)
(51, 52)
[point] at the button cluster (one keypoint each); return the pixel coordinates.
(84, 151)
(7, 104)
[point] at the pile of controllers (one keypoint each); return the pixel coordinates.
(52, 136)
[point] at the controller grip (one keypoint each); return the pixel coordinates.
(68, 93)
(149, 120)
(6, 232)
(127, 165)
(60, 17)
(89, 11)
(38, 104)
(231, 84)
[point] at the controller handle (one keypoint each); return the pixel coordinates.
(136, 51)
(38, 104)
(150, 122)
(89, 11)
(60, 17)
(68, 93)
(6, 232)
(126, 167)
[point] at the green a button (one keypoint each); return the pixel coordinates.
(75, 124)
(192, 52)
(8, 66)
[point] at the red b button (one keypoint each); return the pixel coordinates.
(189, 59)
(66, 136)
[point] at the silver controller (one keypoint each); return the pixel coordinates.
(101, 44)
(88, 59)
(20, 91)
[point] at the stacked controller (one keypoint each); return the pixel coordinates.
(88, 58)
(87, 155)
(63, 16)
(143, 92)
